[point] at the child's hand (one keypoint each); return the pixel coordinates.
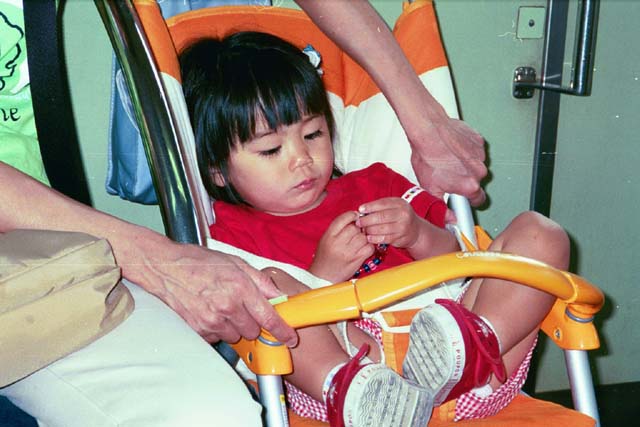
(341, 250)
(390, 220)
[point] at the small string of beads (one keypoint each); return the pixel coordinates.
(373, 262)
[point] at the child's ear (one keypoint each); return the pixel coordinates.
(218, 178)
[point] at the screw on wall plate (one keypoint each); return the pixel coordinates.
(530, 23)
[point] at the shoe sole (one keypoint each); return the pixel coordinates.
(435, 357)
(385, 399)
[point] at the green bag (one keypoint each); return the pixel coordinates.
(18, 137)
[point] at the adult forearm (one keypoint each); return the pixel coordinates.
(26, 203)
(447, 155)
(357, 28)
(219, 295)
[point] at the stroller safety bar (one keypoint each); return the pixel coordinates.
(347, 300)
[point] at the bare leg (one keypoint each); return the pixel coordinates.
(516, 311)
(318, 350)
(358, 337)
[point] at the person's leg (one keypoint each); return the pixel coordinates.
(318, 350)
(516, 311)
(500, 318)
(366, 394)
(152, 370)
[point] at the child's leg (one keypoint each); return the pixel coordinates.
(454, 350)
(318, 351)
(367, 395)
(516, 311)
(357, 337)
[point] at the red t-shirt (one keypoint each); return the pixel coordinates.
(293, 239)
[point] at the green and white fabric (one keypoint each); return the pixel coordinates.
(18, 137)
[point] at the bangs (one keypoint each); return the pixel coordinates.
(271, 90)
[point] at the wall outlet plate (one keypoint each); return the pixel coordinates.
(531, 21)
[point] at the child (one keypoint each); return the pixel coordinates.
(264, 130)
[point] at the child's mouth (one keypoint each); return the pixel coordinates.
(306, 184)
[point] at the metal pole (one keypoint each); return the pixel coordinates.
(460, 205)
(582, 391)
(272, 398)
(174, 190)
(548, 108)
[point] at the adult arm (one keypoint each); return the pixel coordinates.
(447, 155)
(219, 295)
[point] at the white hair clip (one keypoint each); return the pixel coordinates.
(314, 57)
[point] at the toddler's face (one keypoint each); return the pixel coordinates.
(284, 172)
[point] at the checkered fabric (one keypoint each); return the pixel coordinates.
(468, 406)
(304, 405)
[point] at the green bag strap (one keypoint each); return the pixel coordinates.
(51, 104)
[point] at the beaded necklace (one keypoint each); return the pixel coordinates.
(373, 262)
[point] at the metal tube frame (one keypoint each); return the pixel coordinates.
(581, 382)
(584, 52)
(175, 181)
(548, 108)
(460, 205)
(175, 189)
(272, 399)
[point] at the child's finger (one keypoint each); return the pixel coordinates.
(377, 239)
(378, 205)
(342, 221)
(450, 217)
(383, 233)
(383, 216)
(357, 239)
(365, 251)
(380, 229)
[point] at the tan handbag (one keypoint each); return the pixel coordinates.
(59, 291)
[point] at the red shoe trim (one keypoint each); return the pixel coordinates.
(477, 354)
(339, 386)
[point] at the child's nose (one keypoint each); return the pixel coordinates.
(301, 156)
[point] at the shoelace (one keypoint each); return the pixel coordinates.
(495, 363)
(339, 386)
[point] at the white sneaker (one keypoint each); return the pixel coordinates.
(451, 351)
(374, 395)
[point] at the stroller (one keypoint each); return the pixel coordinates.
(147, 47)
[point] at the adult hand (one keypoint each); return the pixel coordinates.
(219, 295)
(448, 157)
(341, 250)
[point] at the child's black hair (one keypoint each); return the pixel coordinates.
(232, 84)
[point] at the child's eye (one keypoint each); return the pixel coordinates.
(271, 152)
(313, 135)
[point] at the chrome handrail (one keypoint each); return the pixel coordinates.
(175, 189)
(524, 80)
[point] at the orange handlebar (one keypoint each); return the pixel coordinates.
(378, 290)
(346, 300)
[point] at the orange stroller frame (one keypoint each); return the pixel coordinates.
(146, 47)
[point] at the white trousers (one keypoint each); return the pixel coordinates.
(152, 370)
